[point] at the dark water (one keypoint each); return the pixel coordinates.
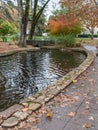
(27, 73)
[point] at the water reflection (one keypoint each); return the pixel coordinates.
(27, 73)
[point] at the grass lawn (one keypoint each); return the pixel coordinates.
(87, 41)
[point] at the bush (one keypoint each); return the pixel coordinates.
(15, 37)
(66, 40)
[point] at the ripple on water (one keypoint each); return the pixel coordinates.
(27, 73)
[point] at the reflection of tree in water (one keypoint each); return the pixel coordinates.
(2, 81)
(26, 77)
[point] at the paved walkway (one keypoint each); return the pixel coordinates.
(76, 108)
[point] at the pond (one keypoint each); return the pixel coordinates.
(28, 72)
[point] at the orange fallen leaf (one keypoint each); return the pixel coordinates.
(49, 115)
(72, 114)
(74, 81)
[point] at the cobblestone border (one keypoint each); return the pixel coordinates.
(19, 112)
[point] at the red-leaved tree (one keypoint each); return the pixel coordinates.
(65, 24)
(86, 11)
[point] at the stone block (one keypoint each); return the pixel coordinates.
(10, 122)
(34, 106)
(20, 115)
(8, 112)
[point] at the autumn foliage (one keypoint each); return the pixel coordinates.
(65, 24)
(86, 11)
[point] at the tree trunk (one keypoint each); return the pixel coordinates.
(32, 30)
(92, 34)
(23, 19)
(22, 41)
(35, 17)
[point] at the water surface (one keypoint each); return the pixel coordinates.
(27, 73)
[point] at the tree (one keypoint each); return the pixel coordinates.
(7, 28)
(65, 24)
(8, 10)
(23, 11)
(40, 26)
(36, 14)
(57, 12)
(7, 7)
(90, 18)
(86, 11)
(8, 18)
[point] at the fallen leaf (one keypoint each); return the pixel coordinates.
(21, 125)
(27, 126)
(44, 110)
(49, 115)
(25, 109)
(87, 102)
(88, 125)
(93, 69)
(91, 118)
(35, 120)
(91, 80)
(62, 105)
(76, 97)
(72, 114)
(74, 81)
(85, 94)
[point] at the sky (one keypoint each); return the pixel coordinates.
(52, 5)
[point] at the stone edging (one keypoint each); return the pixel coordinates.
(19, 112)
(7, 53)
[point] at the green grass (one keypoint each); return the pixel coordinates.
(87, 41)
